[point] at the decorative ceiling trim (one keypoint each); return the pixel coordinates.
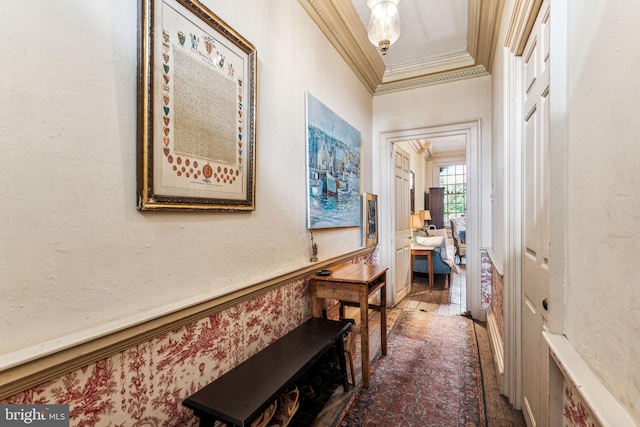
(430, 80)
(339, 22)
(438, 65)
(422, 147)
(493, 10)
(336, 19)
(444, 155)
(522, 20)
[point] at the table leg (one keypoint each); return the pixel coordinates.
(431, 274)
(343, 363)
(316, 308)
(412, 272)
(383, 317)
(364, 334)
(205, 420)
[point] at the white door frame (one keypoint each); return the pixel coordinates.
(471, 131)
(513, 234)
(524, 14)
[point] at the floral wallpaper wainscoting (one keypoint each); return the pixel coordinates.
(575, 412)
(485, 279)
(146, 384)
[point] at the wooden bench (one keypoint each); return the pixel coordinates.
(241, 395)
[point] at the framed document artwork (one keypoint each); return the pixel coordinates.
(196, 110)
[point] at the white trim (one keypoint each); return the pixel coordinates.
(512, 232)
(449, 160)
(497, 348)
(521, 21)
(558, 164)
(471, 131)
(558, 133)
(600, 402)
(524, 15)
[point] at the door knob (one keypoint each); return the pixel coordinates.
(545, 303)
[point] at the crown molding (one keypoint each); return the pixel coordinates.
(490, 17)
(522, 20)
(433, 79)
(421, 69)
(422, 147)
(339, 22)
(442, 156)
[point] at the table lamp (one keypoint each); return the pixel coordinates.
(416, 224)
(425, 215)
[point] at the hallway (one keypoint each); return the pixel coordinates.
(443, 301)
(451, 301)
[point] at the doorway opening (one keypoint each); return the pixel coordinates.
(470, 131)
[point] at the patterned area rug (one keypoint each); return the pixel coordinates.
(430, 377)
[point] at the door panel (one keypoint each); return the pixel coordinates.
(403, 230)
(529, 184)
(535, 220)
(531, 386)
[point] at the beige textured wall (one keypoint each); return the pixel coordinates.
(603, 299)
(76, 258)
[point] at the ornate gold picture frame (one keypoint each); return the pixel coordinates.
(196, 110)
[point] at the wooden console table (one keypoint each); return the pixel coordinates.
(417, 249)
(355, 283)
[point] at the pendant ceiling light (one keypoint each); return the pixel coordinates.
(384, 24)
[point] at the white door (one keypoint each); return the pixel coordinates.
(535, 216)
(402, 224)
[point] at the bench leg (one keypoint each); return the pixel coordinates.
(343, 363)
(206, 421)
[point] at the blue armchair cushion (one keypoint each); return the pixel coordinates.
(421, 264)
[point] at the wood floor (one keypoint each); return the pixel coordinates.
(447, 301)
(441, 300)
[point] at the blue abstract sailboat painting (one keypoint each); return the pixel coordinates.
(333, 169)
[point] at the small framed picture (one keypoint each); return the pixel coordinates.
(369, 219)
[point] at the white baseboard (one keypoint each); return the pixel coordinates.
(497, 348)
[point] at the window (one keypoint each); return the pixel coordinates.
(454, 180)
(412, 191)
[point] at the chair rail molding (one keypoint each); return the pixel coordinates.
(19, 373)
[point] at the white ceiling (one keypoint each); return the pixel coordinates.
(440, 41)
(443, 145)
(431, 30)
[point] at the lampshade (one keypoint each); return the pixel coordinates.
(425, 215)
(384, 24)
(416, 222)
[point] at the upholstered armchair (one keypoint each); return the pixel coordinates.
(461, 247)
